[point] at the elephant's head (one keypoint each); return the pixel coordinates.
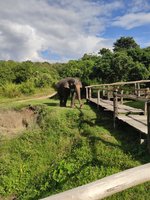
(76, 85)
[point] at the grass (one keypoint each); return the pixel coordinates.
(135, 104)
(71, 147)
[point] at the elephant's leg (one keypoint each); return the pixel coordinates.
(61, 102)
(61, 97)
(73, 96)
(66, 95)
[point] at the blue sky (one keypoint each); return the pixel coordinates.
(60, 30)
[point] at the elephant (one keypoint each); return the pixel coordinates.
(67, 86)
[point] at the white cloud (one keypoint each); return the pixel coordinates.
(65, 27)
(132, 20)
(139, 6)
(18, 41)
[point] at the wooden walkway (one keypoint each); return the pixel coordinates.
(132, 116)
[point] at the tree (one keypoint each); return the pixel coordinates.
(146, 57)
(121, 65)
(102, 70)
(104, 51)
(140, 55)
(125, 43)
(7, 71)
(22, 72)
(138, 72)
(79, 68)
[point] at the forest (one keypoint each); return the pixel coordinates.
(126, 62)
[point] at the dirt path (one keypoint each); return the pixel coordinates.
(29, 99)
(36, 98)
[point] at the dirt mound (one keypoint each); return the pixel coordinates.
(14, 122)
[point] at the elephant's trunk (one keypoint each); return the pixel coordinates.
(78, 95)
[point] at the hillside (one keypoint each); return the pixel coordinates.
(66, 148)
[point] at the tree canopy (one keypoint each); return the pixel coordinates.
(125, 43)
(126, 62)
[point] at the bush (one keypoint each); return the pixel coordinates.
(27, 88)
(43, 80)
(10, 90)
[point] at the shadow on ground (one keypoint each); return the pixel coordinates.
(127, 135)
(52, 104)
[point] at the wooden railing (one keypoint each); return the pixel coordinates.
(118, 93)
(107, 90)
(134, 93)
(107, 186)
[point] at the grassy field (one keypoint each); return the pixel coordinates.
(67, 148)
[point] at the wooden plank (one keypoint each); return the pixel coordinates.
(107, 186)
(139, 122)
(127, 109)
(135, 120)
(107, 104)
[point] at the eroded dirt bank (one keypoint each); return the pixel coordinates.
(14, 122)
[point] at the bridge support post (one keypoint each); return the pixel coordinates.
(115, 107)
(148, 125)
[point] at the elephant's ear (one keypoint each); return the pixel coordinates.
(66, 85)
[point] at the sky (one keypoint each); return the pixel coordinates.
(62, 30)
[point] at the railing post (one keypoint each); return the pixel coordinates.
(98, 98)
(135, 91)
(108, 93)
(145, 108)
(146, 93)
(115, 107)
(138, 90)
(90, 93)
(87, 91)
(148, 125)
(121, 99)
(103, 91)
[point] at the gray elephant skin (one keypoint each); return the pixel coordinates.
(69, 86)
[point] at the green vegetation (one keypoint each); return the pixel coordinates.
(70, 147)
(26, 78)
(126, 62)
(135, 104)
